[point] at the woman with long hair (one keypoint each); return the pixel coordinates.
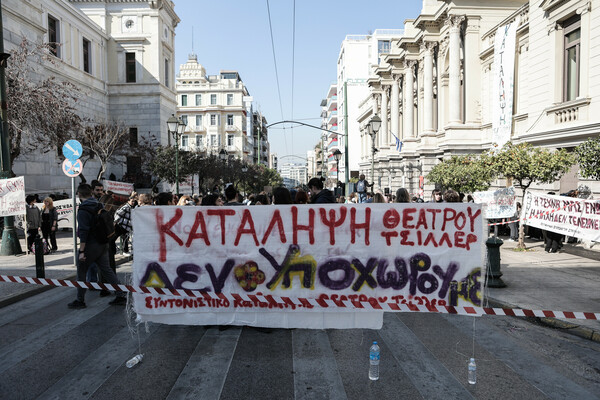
(49, 223)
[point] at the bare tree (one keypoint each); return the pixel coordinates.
(41, 111)
(106, 141)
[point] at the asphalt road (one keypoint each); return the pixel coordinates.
(50, 352)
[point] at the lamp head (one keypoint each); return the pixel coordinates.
(375, 123)
(337, 154)
(180, 127)
(172, 123)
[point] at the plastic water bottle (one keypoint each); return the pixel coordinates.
(134, 361)
(374, 362)
(472, 377)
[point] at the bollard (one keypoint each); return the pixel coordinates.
(493, 262)
(39, 258)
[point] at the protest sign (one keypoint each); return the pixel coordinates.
(12, 196)
(568, 216)
(370, 255)
(501, 203)
(118, 187)
(64, 209)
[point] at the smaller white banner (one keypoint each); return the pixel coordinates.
(64, 208)
(12, 196)
(118, 187)
(501, 203)
(568, 216)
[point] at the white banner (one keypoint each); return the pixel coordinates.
(12, 196)
(124, 188)
(501, 203)
(428, 254)
(64, 209)
(504, 72)
(568, 216)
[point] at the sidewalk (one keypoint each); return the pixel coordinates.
(564, 281)
(58, 265)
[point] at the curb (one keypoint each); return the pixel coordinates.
(37, 290)
(568, 327)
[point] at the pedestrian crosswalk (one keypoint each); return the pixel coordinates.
(51, 352)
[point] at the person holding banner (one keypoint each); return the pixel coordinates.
(49, 223)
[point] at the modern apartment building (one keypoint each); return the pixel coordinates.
(214, 109)
(358, 54)
(435, 88)
(260, 138)
(120, 57)
(293, 174)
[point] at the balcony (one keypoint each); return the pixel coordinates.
(231, 128)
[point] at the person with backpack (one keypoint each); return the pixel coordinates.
(361, 188)
(94, 235)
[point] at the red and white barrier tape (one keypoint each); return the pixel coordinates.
(525, 219)
(269, 301)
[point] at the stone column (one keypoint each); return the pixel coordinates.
(454, 69)
(427, 49)
(384, 135)
(409, 99)
(395, 107)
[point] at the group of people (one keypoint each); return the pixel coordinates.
(45, 220)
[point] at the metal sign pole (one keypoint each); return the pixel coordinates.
(74, 222)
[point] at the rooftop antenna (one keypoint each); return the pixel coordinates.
(192, 55)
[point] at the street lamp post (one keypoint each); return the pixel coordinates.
(373, 127)
(337, 154)
(176, 128)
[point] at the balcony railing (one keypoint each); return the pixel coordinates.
(231, 128)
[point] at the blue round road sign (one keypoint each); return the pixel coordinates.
(72, 150)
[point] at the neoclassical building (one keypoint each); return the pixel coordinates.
(118, 53)
(217, 111)
(434, 91)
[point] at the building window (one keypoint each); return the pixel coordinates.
(167, 72)
(213, 140)
(130, 67)
(215, 119)
(184, 141)
(133, 137)
(198, 99)
(87, 55)
(54, 35)
(184, 119)
(229, 140)
(572, 40)
(198, 140)
(199, 120)
(184, 100)
(229, 99)
(134, 165)
(213, 99)
(229, 119)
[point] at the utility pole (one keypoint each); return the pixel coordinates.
(260, 127)
(346, 157)
(10, 241)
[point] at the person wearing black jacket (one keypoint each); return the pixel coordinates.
(90, 249)
(318, 194)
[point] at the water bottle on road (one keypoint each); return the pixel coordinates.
(472, 378)
(374, 362)
(134, 361)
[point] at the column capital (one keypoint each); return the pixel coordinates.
(409, 64)
(427, 47)
(454, 21)
(584, 9)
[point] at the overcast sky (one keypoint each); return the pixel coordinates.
(235, 35)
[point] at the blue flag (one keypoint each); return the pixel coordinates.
(398, 143)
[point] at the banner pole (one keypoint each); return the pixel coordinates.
(74, 222)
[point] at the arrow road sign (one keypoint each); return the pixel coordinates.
(72, 150)
(72, 168)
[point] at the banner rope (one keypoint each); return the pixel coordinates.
(260, 300)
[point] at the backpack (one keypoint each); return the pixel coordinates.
(104, 226)
(360, 186)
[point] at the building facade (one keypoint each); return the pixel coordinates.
(260, 132)
(434, 91)
(293, 174)
(118, 54)
(358, 54)
(215, 110)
